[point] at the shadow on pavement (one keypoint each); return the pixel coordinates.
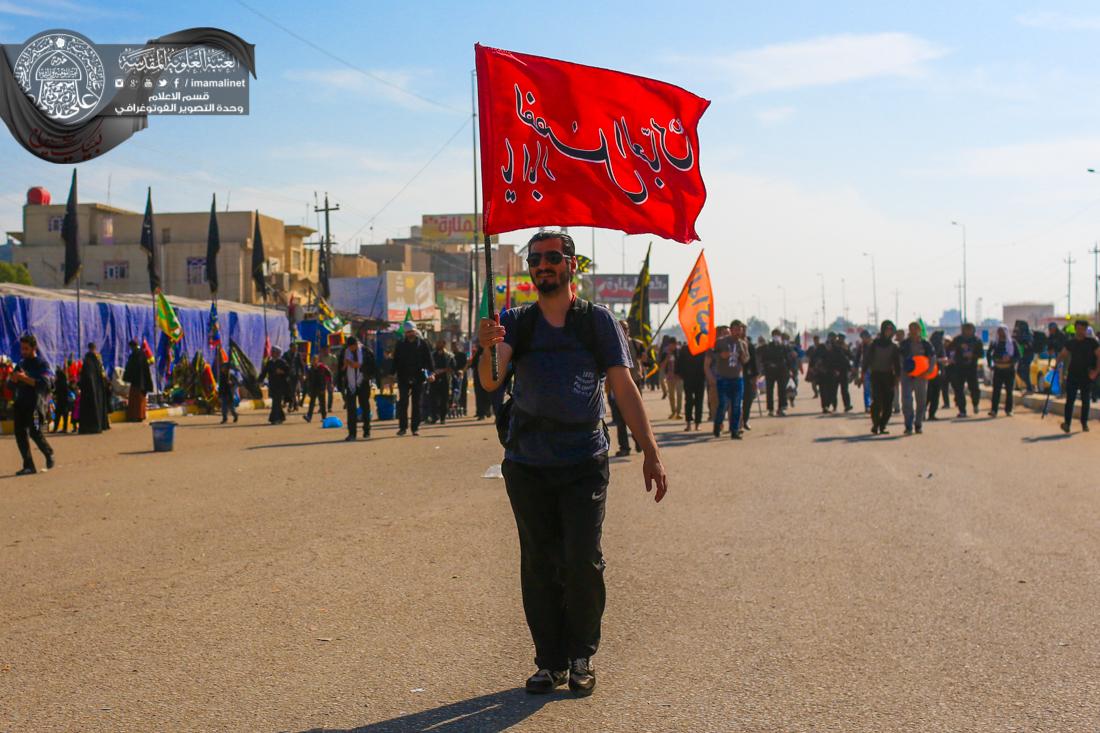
(1046, 438)
(486, 714)
(858, 438)
(309, 443)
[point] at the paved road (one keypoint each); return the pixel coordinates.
(809, 578)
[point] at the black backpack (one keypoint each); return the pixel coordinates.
(580, 320)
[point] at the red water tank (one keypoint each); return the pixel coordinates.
(38, 196)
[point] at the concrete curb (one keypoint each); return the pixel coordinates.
(7, 427)
(1034, 402)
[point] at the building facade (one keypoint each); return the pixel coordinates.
(114, 262)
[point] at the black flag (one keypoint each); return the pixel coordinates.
(322, 269)
(258, 259)
(213, 244)
(147, 243)
(69, 236)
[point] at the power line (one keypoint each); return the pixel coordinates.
(408, 183)
(345, 62)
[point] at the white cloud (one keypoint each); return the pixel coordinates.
(824, 61)
(394, 85)
(774, 115)
(1055, 21)
(1044, 159)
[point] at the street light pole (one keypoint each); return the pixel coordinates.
(963, 226)
(784, 315)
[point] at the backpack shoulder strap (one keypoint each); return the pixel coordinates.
(583, 313)
(526, 318)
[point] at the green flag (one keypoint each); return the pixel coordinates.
(408, 317)
(167, 320)
(483, 308)
(923, 328)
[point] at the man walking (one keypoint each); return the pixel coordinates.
(32, 384)
(966, 352)
(1004, 353)
(318, 379)
(412, 361)
(882, 361)
(357, 368)
(728, 358)
(227, 392)
(914, 388)
(1083, 354)
(751, 374)
(443, 366)
(555, 463)
(775, 357)
(691, 370)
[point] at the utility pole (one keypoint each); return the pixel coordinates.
(1095, 252)
(823, 324)
(844, 298)
(326, 246)
(1069, 282)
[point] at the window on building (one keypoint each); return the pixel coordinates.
(196, 270)
(295, 260)
(116, 270)
(55, 223)
(165, 235)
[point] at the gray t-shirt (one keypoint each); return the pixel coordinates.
(727, 366)
(557, 378)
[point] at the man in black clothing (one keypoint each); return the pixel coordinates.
(749, 373)
(811, 359)
(937, 386)
(318, 378)
(882, 361)
(462, 362)
(774, 358)
(966, 351)
(277, 372)
(483, 404)
(1083, 355)
(412, 361)
(691, 369)
(32, 382)
(555, 464)
(227, 391)
(824, 362)
(443, 366)
(356, 370)
(1056, 340)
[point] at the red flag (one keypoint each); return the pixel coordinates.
(696, 306)
(570, 145)
(267, 348)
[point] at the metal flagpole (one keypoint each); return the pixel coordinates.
(491, 304)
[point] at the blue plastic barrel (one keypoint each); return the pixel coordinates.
(387, 407)
(164, 435)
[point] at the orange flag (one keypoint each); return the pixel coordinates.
(696, 305)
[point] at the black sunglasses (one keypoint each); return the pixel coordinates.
(553, 257)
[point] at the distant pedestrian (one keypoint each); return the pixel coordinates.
(938, 385)
(1003, 356)
(140, 378)
(62, 401)
(914, 388)
(966, 353)
(318, 379)
(443, 367)
(865, 377)
(357, 369)
(728, 357)
(412, 363)
(277, 372)
(32, 388)
(1082, 355)
(93, 394)
(227, 392)
(882, 361)
(691, 369)
(749, 377)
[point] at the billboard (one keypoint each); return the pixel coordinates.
(616, 289)
(413, 291)
(452, 228)
(523, 290)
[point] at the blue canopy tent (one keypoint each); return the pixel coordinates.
(111, 321)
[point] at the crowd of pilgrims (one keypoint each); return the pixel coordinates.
(896, 370)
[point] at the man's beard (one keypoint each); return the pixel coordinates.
(546, 287)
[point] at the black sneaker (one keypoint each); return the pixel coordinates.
(908, 431)
(874, 430)
(919, 430)
(1084, 427)
(25, 472)
(623, 453)
(736, 435)
(349, 439)
(545, 680)
(49, 461)
(401, 432)
(582, 677)
(1065, 427)
(717, 431)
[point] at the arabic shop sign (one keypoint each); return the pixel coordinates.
(72, 99)
(618, 289)
(454, 228)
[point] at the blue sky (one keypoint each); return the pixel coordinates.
(836, 129)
